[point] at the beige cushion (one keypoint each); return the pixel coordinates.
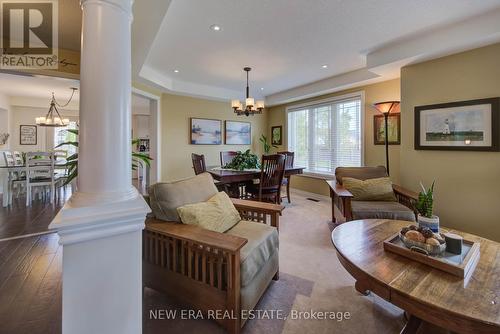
(165, 198)
(217, 214)
(360, 173)
(262, 243)
(381, 210)
(379, 189)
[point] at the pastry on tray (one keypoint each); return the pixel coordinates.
(422, 239)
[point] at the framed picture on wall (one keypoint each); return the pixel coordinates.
(205, 131)
(459, 126)
(393, 127)
(277, 135)
(238, 133)
(27, 135)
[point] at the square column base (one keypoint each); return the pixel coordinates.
(102, 267)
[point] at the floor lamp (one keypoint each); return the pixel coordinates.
(386, 108)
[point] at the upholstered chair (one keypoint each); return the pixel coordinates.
(402, 207)
(205, 269)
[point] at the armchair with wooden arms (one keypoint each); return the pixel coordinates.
(342, 199)
(209, 270)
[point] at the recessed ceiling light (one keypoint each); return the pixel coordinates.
(176, 71)
(261, 88)
(324, 66)
(215, 27)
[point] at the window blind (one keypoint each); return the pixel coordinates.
(327, 135)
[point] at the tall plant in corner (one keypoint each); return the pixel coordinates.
(72, 160)
(425, 207)
(265, 144)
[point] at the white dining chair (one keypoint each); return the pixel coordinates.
(40, 174)
(61, 172)
(15, 180)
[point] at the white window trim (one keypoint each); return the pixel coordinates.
(360, 94)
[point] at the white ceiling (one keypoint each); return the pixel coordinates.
(38, 86)
(287, 41)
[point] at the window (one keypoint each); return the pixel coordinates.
(326, 135)
(61, 136)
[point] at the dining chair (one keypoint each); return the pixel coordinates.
(61, 171)
(18, 158)
(9, 158)
(40, 174)
(15, 180)
(199, 165)
(226, 157)
(289, 156)
(271, 179)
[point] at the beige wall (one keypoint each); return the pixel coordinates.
(467, 190)
(374, 154)
(176, 148)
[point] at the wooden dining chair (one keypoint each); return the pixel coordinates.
(271, 179)
(289, 156)
(226, 157)
(199, 165)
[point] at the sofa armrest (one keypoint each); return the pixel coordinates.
(404, 192)
(195, 234)
(341, 198)
(254, 205)
(338, 189)
(259, 211)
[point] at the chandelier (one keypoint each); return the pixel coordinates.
(53, 118)
(251, 107)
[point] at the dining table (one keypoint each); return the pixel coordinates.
(235, 176)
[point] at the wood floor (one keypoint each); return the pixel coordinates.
(18, 219)
(30, 285)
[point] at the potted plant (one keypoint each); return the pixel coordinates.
(72, 160)
(265, 144)
(244, 160)
(425, 205)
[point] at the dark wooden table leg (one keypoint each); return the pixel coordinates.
(412, 325)
(333, 206)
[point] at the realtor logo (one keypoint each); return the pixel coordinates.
(29, 34)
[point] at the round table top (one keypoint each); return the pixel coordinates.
(359, 245)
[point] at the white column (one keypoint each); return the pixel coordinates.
(100, 226)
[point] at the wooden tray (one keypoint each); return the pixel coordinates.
(461, 265)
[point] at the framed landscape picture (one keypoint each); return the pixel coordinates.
(27, 135)
(393, 127)
(461, 126)
(238, 133)
(206, 131)
(276, 135)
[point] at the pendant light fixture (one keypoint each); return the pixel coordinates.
(252, 107)
(53, 118)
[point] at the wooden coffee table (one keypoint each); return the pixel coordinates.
(425, 293)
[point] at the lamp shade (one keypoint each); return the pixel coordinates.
(249, 102)
(259, 104)
(387, 107)
(235, 103)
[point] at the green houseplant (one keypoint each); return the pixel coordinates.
(265, 144)
(72, 160)
(425, 206)
(243, 160)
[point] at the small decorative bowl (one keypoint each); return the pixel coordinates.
(422, 247)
